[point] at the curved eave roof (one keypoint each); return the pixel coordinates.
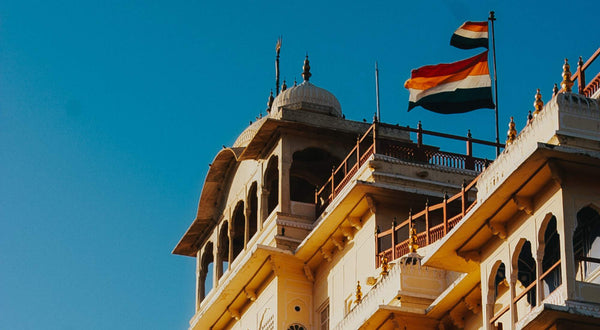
(207, 206)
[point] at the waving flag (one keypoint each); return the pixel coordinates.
(452, 88)
(471, 35)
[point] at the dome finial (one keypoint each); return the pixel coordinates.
(511, 135)
(270, 102)
(283, 86)
(567, 83)
(306, 73)
(538, 103)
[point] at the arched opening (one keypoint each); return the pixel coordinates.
(272, 185)
(206, 271)
(239, 228)
(223, 253)
(499, 281)
(526, 274)
(310, 169)
(498, 294)
(253, 203)
(586, 244)
(551, 243)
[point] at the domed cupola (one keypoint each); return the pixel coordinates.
(306, 97)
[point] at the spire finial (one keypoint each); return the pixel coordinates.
(511, 135)
(385, 266)
(538, 104)
(567, 83)
(412, 240)
(270, 102)
(358, 292)
(283, 86)
(277, 50)
(555, 90)
(306, 73)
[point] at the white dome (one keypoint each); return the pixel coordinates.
(307, 96)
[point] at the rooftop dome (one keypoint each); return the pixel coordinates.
(307, 96)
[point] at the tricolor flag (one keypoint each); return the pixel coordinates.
(471, 35)
(452, 88)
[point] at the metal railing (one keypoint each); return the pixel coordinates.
(435, 222)
(370, 143)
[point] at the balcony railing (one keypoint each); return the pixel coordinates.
(433, 223)
(371, 143)
(594, 84)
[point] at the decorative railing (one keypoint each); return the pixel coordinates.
(371, 143)
(431, 224)
(593, 86)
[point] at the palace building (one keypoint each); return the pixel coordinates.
(314, 221)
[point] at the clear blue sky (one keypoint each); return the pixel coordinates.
(111, 111)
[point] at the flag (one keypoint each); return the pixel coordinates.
(452, 88)
(471, 35)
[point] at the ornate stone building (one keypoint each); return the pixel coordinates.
(313, 221)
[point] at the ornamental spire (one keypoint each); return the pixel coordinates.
(511, 135)
(412, 240)
(306, 69)
(567, 83)
(538, 104)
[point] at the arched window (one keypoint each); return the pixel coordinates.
(310, 169)
(253, 203)
(272, 185)
(223, 253)
(586, 243)
(526, 271)
(551, 243)
(205, 283)
(499, 279)
(498, 294)
(239, 229)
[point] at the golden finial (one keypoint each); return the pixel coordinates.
(283, 86)
(384, 266)
(278, 45)
(511, 135)
(358, 293)
(567, 83)
(412, 240)
(270, 102)
(555, 90)
(538, 104)
(306, 73)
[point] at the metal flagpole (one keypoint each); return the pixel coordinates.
(377, 91)
(277, 50)
(492, 18)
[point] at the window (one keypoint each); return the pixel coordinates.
(586, 244)
(324, 317)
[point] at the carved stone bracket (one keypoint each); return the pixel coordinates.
(498, 229)
(327, 254)
(470, 255)
(234, 313)
(523, 203)
(251, 294)
(556, 172)
(337, 242)
(308, 273)
(371, 202)
(457, 316)
(348, 232)
(355, 222)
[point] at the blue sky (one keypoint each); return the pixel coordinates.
(111, 111)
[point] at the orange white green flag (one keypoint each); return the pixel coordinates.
(470, 35)
(453, 87)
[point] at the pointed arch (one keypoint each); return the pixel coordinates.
(223, 253)
(525, 266)
(253, 209)
(310, 169)
(549, 245)
(272, 185)
(205, 283)
(238, 229)
(586, 243)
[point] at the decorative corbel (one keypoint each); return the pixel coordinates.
(371, 202)
(251, 294)
(234, 313)
(355, 222)
(348, 232)
(458, 317)
(274, 267)
(327, 254)
(556, 172)
(497, 228)
(523, 203)
(470, 255)
(308, 273)
(337, 242)
(473, 304)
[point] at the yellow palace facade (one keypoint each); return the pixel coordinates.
(313, 221)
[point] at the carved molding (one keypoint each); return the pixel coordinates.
(498, 229)
(523, 203)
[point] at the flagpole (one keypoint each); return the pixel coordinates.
(377, 90)
(492, 18)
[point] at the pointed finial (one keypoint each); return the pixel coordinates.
(511, 135)
(555, 90)
(278, 45)
(295, 83)
(529, 117)
(384, 266)
(358, 292)
(306, 69)
(270, 102)
(283, 86)
(412, 240)
(538, 104)
(567, 83)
